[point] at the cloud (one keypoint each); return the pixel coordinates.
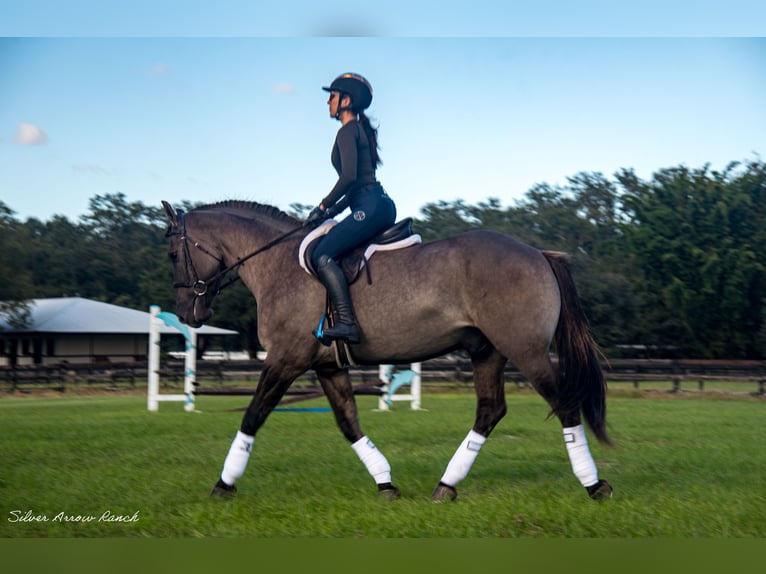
(284, 88)
(30, 134)
(159, 70)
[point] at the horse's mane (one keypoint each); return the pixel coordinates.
(251, 206)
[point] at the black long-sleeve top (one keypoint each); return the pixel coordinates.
(352, 159)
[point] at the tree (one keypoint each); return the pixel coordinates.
(443, 219)
(127, 252)
(15, 279)
(697, 237)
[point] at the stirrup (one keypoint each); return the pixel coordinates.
(326, 336)
(347, 331)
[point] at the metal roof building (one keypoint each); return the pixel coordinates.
(77, 330)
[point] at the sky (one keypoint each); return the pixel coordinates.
(206, 105)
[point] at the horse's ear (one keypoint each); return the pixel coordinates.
(171, 213)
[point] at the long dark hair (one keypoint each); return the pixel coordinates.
(372, 136)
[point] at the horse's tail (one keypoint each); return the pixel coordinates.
(582, 385)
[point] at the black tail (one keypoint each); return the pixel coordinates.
(582, 385)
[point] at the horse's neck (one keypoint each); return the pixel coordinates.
(240, 238)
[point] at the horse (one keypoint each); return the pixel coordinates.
(483, 292)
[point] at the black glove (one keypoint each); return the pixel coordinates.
(317, 214)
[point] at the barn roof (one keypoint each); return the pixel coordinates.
(78, 315)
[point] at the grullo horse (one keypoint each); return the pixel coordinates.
(482, 292)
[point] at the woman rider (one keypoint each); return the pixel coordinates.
(355, 158)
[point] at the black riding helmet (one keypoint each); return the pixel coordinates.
(354, 86)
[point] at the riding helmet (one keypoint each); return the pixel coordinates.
(355, 86)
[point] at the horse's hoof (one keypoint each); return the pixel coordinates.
(388, 492)
(602, 490)
(223, 490)
(443, 492)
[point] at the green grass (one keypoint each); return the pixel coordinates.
(682, 467)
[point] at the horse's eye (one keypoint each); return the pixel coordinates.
(173, 256)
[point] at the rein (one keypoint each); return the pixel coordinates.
(200, 286)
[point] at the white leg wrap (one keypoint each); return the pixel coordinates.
(236, 460)
(583, 465)
(463, 459)
(373, 459)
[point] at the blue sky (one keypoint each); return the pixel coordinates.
(213, 107)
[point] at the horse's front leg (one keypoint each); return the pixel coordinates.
(337, 387)
(273, 384)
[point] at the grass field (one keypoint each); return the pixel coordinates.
(689, 466)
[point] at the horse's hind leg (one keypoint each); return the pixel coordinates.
(340, 394)
(542, 374)
(488, 367)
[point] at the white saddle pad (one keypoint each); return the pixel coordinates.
(328, 224)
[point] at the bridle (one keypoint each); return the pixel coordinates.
(200, 286)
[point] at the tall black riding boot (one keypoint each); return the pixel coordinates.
(331, 275)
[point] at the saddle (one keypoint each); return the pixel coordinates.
(398, 236)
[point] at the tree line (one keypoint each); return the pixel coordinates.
(674, 266)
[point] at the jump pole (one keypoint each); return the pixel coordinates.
(392, 381)
(190, 360)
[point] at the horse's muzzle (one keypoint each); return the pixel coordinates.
(196, 313)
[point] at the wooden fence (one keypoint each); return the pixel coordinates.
(220, 374)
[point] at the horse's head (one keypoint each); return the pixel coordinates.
(197, 270)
